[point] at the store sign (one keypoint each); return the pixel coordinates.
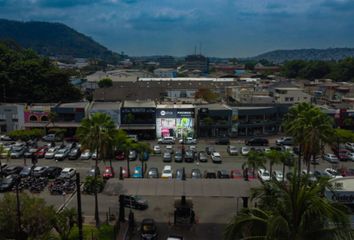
(342, 197)
(138, 110)
(185, 113)
(166, 113)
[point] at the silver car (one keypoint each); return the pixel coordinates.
(330, 157)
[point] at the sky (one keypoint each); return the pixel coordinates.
(220, 28)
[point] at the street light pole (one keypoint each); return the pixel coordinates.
(79, 212)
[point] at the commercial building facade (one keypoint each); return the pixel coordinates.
(11, 117)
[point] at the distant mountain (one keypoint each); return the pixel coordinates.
(279, 56)
(54, 39)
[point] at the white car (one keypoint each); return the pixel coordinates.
(94, 155)
(166, 140)
(157, 149)
(284, 141)
(85, 155)
(67, 173)
(51, 152)
(188, 140)
(167, 172)
(215, 157)
(350, 156)
(330, 172)
(349, 146)
(330, 157)
(310, 175)
(278, 175)
(263, 175)
(245, 151)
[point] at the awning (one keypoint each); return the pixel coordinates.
(35, 124)
(173, 187)
(138, 126)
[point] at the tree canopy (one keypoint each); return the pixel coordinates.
(25, 76)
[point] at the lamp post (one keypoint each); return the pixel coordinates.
(79, 212)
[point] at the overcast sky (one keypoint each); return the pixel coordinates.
(224, 28)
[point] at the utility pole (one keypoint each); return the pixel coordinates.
(79, 212)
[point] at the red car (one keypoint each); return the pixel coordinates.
(343, 154)
(108, 173)
(41, 151)
(236, 174)
(120, 155)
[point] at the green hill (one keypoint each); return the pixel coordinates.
(54, 39)
(279, 56)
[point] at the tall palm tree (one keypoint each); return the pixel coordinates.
(310, 128)
(254, 161)
(97, 134)
(273, 157)
(298, 211)
(124, 143)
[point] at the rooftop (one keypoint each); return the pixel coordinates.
(175, 106)
(139, 104)
(73, 105)
(105, 105)
(215, 106)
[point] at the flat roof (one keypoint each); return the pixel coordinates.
(253, 108)
(73, 105)
(345, 184)
(189, 79)
(289, 88)
(105, 105)
(139, 104)
(215, 106)
(174, 106)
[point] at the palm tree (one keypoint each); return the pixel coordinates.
(310, 128)
(297, 211)
(97, 134)
(254, 161)
(273, 157)
(124, 143)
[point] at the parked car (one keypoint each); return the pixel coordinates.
(209, 149)
(39, 171)
(222, 141)
(245, 151)
(236, 174)
(202, 156)
(85, 155)
(7, 183)
(343, 154)
(232, 150)
(135, 202)
(189, 156)
(169, 149)
(12, 170)
(216, 157)
(223, 174)
(196, 173)
(108, 172)
(209, 174)
(330, 172)
(30, 152)
(178, 156)
(179, 174)
(51, 138)
(120, 155)
(188, 140)
(349, 146)
(137, 172)
(94, 171)
(61, 154)
(351, 156)
(41, 151)
(319, 174)
(67, 173)
(157, 149)
(94, 155)
(26, 171)
(284, 141)
(6, 152)
(167, 172)
(18, 151)
(278, 175)
(74, 154)
(133, 155)
(310, 176)
(263, 175)
(330, 157)
(257, 142)
(52, 172)
(148, 229)
(51, 152)
(167, 157)
(5, 138)
(166, 140)
(153, 173)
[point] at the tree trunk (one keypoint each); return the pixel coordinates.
(270, 169)
(299, 160)
(283, 171)
(97, 218)
(128, 164)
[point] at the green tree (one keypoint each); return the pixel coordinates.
(26, 134)
(37, 218)
(293, 211)
(97, 134)
(273, 157)
(255, 160)
(123, 143)
(206, 94)
(64, 222)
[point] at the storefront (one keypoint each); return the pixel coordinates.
(175, 120)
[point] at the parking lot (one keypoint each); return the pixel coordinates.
(219, 209)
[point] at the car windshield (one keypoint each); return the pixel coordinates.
(148, 228)
(62, 150)
(334, 173)
(51, 150)
(266, 174)
(7, 180)
(167, 171)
